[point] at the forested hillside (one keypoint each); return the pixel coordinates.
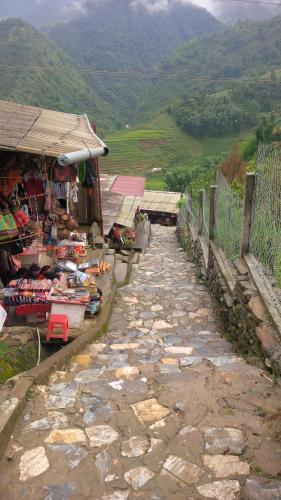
(22, 45)
(246, 50)
(115, 36)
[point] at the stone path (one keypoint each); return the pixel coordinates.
(161, 408)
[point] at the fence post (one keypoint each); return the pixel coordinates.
(212, 220)
(247, 213)
(201, 211)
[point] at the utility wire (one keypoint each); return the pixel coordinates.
(126, 74)
(255, 2)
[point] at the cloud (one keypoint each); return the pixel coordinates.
(164, 5)
(149, 5)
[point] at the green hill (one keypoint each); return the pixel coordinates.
(22, 45)
(246, 50)
(120, 36)
(160, 143)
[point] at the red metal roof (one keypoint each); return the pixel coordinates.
(130, 186)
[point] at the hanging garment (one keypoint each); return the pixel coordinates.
(20, 217)
(60, 191)
(66, 173)
(90, 177)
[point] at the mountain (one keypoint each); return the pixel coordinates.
(124, 36)
(244, 50)
(22, 45)
(40, 12)
(231, 13)
(118, 35)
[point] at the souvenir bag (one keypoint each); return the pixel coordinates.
(8, 228)
(10, 223)
(20, 217)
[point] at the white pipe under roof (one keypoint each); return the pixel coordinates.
(83, 154)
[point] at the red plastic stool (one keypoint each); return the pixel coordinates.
(58, 321)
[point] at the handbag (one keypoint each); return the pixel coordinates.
(20, 217)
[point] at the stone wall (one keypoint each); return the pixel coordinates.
(244, 318)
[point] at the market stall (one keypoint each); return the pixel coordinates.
(48, 161)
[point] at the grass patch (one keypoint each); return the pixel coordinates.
(155, 184)
(159, 143)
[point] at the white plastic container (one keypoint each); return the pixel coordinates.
(74, 312)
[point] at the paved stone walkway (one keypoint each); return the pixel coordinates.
(161, 408)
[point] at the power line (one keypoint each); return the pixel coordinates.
(255, 2)
(129, 74)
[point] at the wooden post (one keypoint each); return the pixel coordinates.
(247, 213)
(212, 220)
(201, 211)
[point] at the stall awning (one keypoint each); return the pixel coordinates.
(160, 201)
(65, 136)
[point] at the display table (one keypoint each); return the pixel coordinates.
(70, 303)
(30, 309)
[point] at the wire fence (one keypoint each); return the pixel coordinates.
(266, 217)
(206, 215)
(229, 208)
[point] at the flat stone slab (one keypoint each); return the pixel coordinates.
(134, 447)
(55, 420)
(6, 410)
(71, 455)
(179, 350)
(117, 495)
(185, 471)
(87, 375)
(160, 324)
(101, 435)
(224, 440)
(107, 463)
(170, 361)
(124, 347)
(138, 477)
(33, 463)
(62, 395)
(226, 465)
(220, 490)
(149, 411)
(82, 359)
(127, 372)
(261, 488)
(190, 361)
(66, 436)
(156, 308)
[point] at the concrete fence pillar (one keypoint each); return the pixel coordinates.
(247, 213)
(212, 219)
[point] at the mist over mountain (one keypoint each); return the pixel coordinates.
(48, 12)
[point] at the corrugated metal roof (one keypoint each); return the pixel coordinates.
(43, 132)
(127, 211)
(160, 201)
(111, 205)
(128, 185)
(107, 181)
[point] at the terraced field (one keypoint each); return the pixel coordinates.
(159, 143)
